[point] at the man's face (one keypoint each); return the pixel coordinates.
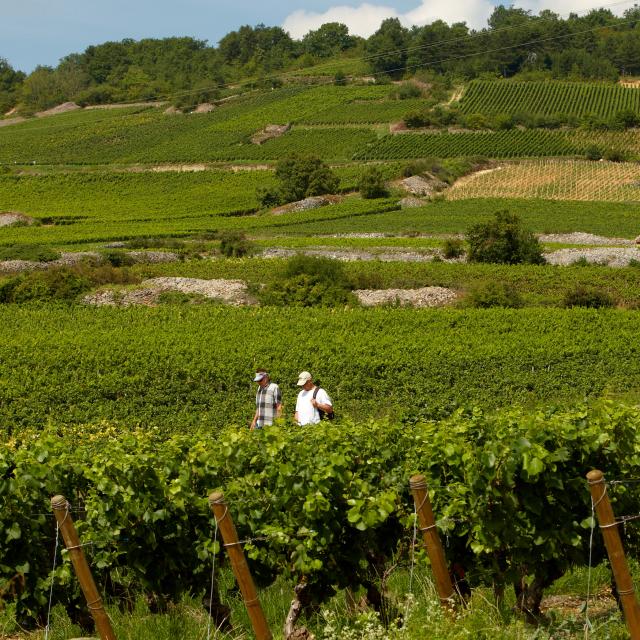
(308, 385)
(264, 382)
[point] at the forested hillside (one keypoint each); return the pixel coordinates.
(186, 71)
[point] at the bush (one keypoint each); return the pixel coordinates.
(340, 79)
(493, 294)
(371, 184)
(453, 248)
(234, 244)
(54, 284)
(476, 121)
(416, 120)
(615, 155)
(593, 152)
(31, 252)
(309, 281)
(268, 198)
(626, 119)
(406, 91)
(588, 297)
(503, 240)
(117, 258)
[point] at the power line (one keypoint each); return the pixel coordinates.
(388, 71)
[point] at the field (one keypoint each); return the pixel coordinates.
(549, 98)
(137, 412)
(555, 180)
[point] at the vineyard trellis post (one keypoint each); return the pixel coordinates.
(615, 551)
(239, 565)
(432, 542)
(61, 509)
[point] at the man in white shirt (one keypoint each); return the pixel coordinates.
(311, 401)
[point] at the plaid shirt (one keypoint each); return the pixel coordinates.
(267, 399)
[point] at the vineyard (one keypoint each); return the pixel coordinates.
(549, 98)
(554, 180)
(128, 369)
(500, 144)
(295, 511)
(504, 398)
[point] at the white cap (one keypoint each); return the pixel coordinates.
(260, 375)
(303, 378)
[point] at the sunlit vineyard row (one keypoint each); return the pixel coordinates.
(549, 98)
(554, 179)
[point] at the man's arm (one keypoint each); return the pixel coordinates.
(253, 422)
(278, 402)
(279, 410)
(325, 406)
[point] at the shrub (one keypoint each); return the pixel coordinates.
(340, 79)
(593, 152)
(54, 284)
(626, 119)
(417, 167)
(117, 258)
(308, 281)
(31, 252)
(453, 248)
(234, 244)
(588, 297)
(371, 184)
(503, 240)
(268, 197)
(493, 294)
(416, 120)
(476, 121)
(615, 155)
(407, 91)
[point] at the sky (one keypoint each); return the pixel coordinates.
(34, 32)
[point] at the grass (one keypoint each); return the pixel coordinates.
(414, 595)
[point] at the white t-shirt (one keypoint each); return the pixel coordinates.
(307, 413)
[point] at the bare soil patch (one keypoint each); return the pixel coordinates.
(179, 168)
(65, 107)
(233, 292)
(9, 218)
(205, 107)
(424, 297)
(580, 237)
(384, 254)
(8, 121)
(423, 185)
(124, 105)
(315, 202)
(606, 256)
(269, 132)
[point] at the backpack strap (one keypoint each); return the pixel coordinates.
(315, 392)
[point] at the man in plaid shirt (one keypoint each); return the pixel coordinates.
(268, 401)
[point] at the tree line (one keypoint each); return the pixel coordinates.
(598, 45)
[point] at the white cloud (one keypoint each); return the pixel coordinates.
(362, 21)
(365, 19)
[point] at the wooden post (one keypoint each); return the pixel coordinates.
(239, 566)
(619, 566)
(432, 542)
(61, 508)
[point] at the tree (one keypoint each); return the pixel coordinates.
(387, 48)
(304, 177)
(371, 183)
(330, 39)
(503, 240)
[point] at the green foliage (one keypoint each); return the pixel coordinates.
(53, 284)
(453, 248)
(615, 155)
(499, 507)
(593, 152)
(31, 252)
(372, 184)
(607, 101)
(493, 294)
(234, 244)
(118, 258)
(503, 240)
(589, 297)
(304, 177)
(510, 356)
(308, 281)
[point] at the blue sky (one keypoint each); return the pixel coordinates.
(36, 32)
